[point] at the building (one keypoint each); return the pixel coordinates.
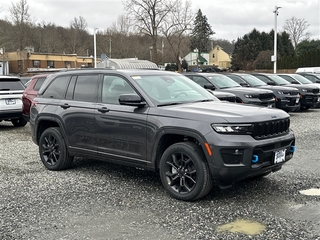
(216, 57)
(219, 58)
(195, 60)
(29, 62)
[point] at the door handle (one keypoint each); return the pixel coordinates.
(65, 106)
(103, 109)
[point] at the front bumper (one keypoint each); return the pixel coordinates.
(289, 104)
(310, 100)
(237, 157)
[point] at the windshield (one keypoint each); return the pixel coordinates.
(222, 81)
(278, 80)
(172, 89)
(254, 81)
(301, 79)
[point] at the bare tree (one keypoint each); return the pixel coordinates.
(78, 36)
(176, 25)
(22, 22)
(122, 25)
(296, 28)
(147, 17)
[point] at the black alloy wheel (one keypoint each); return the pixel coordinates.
(53, 150)
(184, 173)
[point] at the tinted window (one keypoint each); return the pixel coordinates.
(70, 90)
(11, 85)
(39, 83)
(262, 78)
(200, 80)
(57, 88)
(85, 88)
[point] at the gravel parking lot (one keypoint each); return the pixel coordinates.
(97, 200)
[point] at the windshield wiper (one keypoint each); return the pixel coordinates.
(170, 103)
(205, 100)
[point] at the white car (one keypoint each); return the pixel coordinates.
(11, 89)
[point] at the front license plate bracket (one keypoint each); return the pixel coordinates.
(279, 156)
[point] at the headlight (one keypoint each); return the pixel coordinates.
(233, 128)
(281, 93)
(251, 96)
(304, 90)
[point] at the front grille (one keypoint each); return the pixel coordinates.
(229, 99)
(315, 90)
(270, 128)
(265, 96)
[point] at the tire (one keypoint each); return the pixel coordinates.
(184, 172)
(53, 150)
(21, 122)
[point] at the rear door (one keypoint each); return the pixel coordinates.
(77, 113)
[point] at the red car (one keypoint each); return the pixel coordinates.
(33, 86)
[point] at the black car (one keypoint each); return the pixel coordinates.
(287, 98)
(297, 79)
(160, 121)
(260, 97)
(309, 95)
(313, 77)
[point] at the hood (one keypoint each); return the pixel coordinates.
(304, 86)
(245, 90)
(278, 88)
(222, 112)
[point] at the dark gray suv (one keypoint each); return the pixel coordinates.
(160, 121)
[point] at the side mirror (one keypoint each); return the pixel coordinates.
(243, 84)
(271, 83)
(131, 99)
(209, 86)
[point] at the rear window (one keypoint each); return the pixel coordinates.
(39, 83)
(6, 85)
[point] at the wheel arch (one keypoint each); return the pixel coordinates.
(44, 123)
(170, 136)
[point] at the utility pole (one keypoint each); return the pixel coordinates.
(274, 57)
(95, 47)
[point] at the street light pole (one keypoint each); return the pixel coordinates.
(275, 40)
(95, 47)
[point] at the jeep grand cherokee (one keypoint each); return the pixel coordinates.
(160, 121)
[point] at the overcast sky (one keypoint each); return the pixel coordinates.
(229, 19)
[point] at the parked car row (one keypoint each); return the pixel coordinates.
(289, 92)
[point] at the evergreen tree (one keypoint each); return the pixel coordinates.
(201, 33)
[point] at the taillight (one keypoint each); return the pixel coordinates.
(34, 103)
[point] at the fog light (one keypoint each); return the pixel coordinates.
(255, 159)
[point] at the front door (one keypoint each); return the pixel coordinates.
(121, 130)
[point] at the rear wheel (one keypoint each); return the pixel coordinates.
(53, 150)
(21, 122)
(184, 172)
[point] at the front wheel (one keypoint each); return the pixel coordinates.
(53, 150)
(184, 172)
